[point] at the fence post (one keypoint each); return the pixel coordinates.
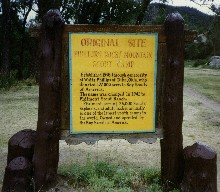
(19, 169)
(46, 152)
(200, 173)
(172, 162)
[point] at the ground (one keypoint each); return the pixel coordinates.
(18, 110)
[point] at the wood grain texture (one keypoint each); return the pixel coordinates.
(200, 172)
(46, 152)
(172, 142)
(18, 174)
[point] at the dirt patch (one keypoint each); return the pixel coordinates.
(204, 100)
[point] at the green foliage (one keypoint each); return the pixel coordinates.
(106, 177)
(79, 175)
(198, 51)
(160, 16)
(23, 48)
(124, 177)
(125, 189)
(154, 188)
(100, 184)
(151, 175)
(6, 81)
(214, 34)
(104, 169)
(200, 62)
(10, 81)
(101, 12)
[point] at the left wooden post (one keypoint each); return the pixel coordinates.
(46, 151)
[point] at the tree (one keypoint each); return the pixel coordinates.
(100, 11)
(215, 34)
(16, 41)
(215, 31)
(22, 7)
(144, 6)
(6, 30)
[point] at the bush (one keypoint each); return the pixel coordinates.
(6, 81)
(198, 51)
(200, 62)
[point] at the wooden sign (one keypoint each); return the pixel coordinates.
(112, 82)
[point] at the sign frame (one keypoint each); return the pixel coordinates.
(153, 62)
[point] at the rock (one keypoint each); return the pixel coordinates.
(215, 62)
(201, 38)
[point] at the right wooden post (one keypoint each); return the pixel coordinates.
(172, 162)
(200, 172)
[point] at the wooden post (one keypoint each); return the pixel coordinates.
(46, 152)
(22, 144)
(200, 173)
(18, 175)
(172, 110)
(19, 170)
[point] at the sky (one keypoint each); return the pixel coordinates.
(203, 8)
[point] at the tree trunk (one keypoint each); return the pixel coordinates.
(46, 152)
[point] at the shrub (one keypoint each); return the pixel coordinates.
(6, 81)
(200, 62)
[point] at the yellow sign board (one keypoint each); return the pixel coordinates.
(112, 82)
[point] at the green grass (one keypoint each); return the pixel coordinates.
(107, 177)
(204, 81)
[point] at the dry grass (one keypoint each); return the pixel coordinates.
(18, 110)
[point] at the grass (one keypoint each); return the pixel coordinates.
(107, 177)
(204, 81)
(18, 110)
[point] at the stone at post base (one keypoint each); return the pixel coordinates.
(200, 174)
(17, 176)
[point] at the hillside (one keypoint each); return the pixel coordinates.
(193, 17)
